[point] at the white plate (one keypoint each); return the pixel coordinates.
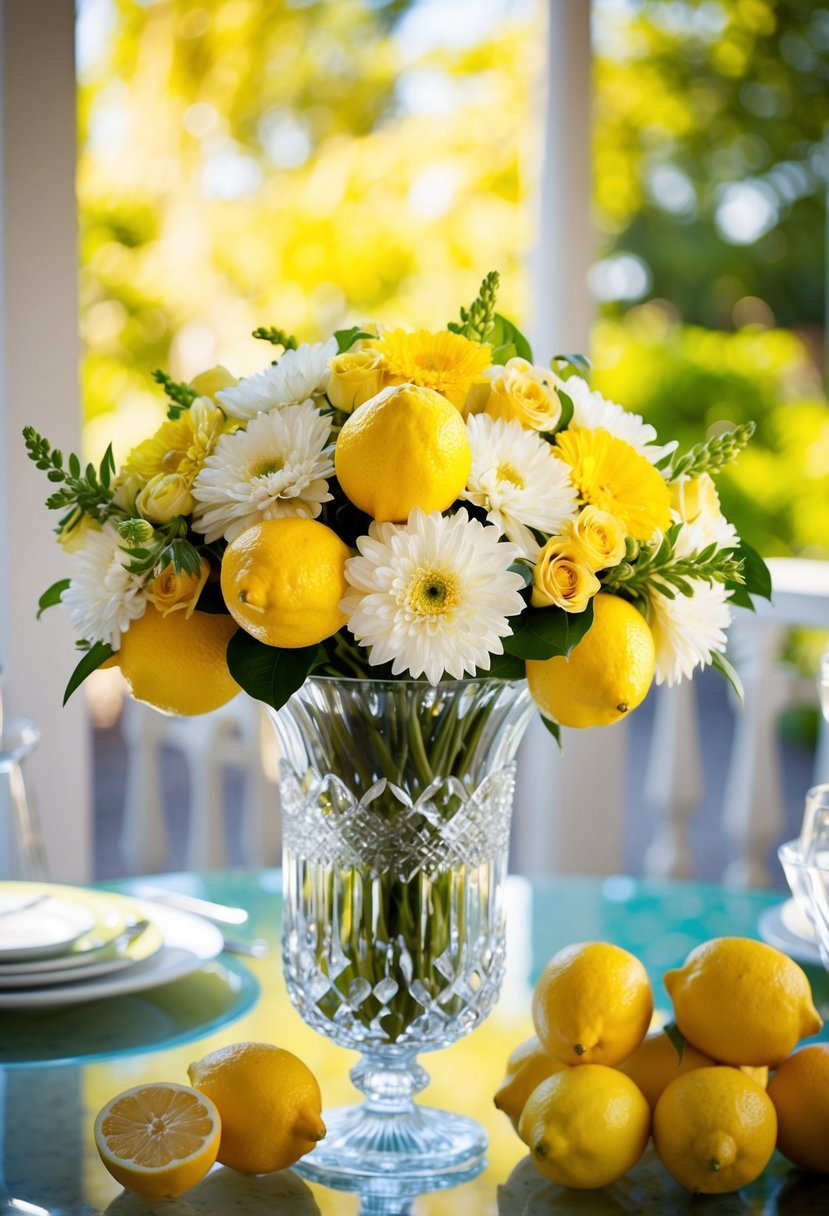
(189, 942)
(773, 929)
(35, 923)
(99, 961)
(112, 915)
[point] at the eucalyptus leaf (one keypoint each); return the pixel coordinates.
(52, 596)
(727, 669)
(91, 661)
(270, 673)
(543, 633)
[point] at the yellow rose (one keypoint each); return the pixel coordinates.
(597, 539)
(697, 502)
(561, 580)
(356, 376)
(519, 390)
(165, 496)
(171, 591)
(209, 383)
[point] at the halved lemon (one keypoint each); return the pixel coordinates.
(158, 1140)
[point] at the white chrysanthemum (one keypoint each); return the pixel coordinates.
(688, 628)
(276, 467)
(518, 481)
(433, 595)
(591, 410)
(103, 597)
(298, 376)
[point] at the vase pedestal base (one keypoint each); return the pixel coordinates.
(395, 1155)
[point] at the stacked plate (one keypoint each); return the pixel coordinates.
(63, 945)
(785, 927)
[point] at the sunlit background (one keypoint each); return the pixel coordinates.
(305, 164)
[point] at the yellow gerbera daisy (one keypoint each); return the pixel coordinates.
(180, 445)
(614, 477)
(445, 362)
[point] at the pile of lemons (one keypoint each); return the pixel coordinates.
(590, 1090)
(251, 1106)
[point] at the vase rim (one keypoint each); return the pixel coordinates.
(394, 682)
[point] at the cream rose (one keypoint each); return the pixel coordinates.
(356, 376)
(209, 383)
(561, 580)
(520, 390)
(164, 497)
(173, 591)
(697, 502)
(597, 539)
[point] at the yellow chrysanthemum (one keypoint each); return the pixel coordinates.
(180, 445)
(445, 362)
(612, 475)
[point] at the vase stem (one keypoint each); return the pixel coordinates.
(389, 1082)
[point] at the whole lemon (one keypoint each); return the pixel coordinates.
(714, 1130)
(592, 1004)
(177, 664)
(527, 1067)
(742, 1001)
(405, 448)
(607, 674)
(585, 1127)
(656, 1062)
(283, 579)
(799, 1090)
(269, 1103)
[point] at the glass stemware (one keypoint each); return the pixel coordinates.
(22, 847)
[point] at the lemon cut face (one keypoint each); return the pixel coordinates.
(158, 1140)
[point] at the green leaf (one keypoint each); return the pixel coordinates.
(674, 1035)
(542, 633)
(552, 727)
(524, 569)
(211, 599)
(91, 661)
(347, 337)
(51, 596)
(579, 363)
(755, 571)
(270, 673)
(503, 332)
(503, 667)
(725, 668)
(503, 354)
(567, 410)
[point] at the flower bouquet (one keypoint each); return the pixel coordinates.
(386, 537)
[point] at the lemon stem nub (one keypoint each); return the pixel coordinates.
(579, 1049)
(715, 1165)
(623, 707)
(540, 1149)
(244, 599)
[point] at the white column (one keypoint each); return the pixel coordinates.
(39, 385)
(569, 804)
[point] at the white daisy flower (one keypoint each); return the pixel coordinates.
(103, 596)
(688, 628)
(276, 467)
(591, 410)
(298, 376)
(433, 595)
(518, 481)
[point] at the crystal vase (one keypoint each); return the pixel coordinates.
(396, 806)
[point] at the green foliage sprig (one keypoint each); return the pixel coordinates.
(181, 395)
(657, 568)
(163, 547)
(276, 337)
(83, 491)
(712, 454)
(478, 320)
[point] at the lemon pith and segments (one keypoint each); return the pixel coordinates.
(158, 1140)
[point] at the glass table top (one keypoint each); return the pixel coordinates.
(48, 1160)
